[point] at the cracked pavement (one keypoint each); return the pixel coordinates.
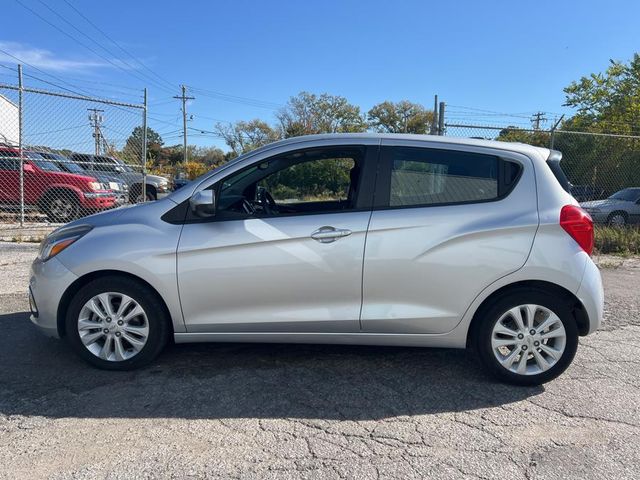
(304, 411)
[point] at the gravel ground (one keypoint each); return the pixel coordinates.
(286, 411)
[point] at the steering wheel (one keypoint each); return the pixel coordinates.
(267, 202)
(248, 207)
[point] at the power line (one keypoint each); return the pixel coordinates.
(111, 62)
(116, 43)
(95, 41)
(237, 99)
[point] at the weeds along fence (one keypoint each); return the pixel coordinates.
(63, 156)
(597, 164)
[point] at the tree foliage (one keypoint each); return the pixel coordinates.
(400, 117)
(244, 136)
(609, 101)
(308, 113)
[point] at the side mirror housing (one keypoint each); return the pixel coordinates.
(119, 169)
(203, 203)
(27, 167)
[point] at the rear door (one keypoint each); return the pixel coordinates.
(447, 222)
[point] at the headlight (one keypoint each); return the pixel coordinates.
(95, 185)
(593, 210)
(114, 186)
(58, 240)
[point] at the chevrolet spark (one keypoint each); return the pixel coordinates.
(400, 240)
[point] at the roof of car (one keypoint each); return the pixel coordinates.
(509, 146)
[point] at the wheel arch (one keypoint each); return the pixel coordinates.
(57, 189)
(577, 308)
(80, 282)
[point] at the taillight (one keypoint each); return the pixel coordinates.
(577, 223)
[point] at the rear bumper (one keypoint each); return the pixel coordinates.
(591, 295)
(47, 283)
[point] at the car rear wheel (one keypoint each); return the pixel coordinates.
(62, 207)
(527, 338)
(117, 323)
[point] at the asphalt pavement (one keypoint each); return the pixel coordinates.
(304, 411)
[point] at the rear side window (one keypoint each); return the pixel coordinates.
(424, 177)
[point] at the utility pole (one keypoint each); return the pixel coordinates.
(96, 119)
(184, 99)
(537, 118)
(434, 123)
(441, 119)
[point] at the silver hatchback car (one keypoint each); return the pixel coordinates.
(401, 240)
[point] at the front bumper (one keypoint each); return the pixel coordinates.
(98, 200)
(47, 283)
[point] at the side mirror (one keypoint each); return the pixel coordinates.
(119, 169)
(203, 203)
(27, 167)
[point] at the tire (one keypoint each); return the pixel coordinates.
(617, 219)
(534, 373)
(136, 195)
(61, 207)
(129, 356)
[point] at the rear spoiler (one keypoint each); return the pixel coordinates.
(554, 164)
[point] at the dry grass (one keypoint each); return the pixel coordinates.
(617, 241)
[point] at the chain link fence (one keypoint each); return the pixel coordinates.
(64, 156)
(598, 165)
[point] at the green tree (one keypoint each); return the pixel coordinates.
(308, 113)
(133, 147)
(607, 102)
(400, 117)
(539, 138)
(243, 136)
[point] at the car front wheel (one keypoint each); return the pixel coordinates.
(527, 338)
(117, 323)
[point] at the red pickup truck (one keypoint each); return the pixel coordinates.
(61, 196)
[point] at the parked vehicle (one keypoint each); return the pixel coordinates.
(156, 186)
(353, 239)
(618, 210)
(585, 193)
(61, 196)
(109, 182)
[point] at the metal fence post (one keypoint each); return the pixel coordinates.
(441, 119)
(144, 148)
(20, 131)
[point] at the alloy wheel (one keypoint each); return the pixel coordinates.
(113, 326)
(528, 339)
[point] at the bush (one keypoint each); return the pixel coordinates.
(617, 240)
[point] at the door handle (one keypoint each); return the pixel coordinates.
(330, 234)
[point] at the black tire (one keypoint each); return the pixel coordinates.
(490, 316)
(622, 217)
(157, 317)
(135, 195)
(61, 207)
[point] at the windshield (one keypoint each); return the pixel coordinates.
(63, 163)
(43, 164)
(126, 167)
(627, 195)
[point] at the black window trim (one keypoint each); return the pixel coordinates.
(383, 184)
(181, 214)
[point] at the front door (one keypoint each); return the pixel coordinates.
(284, 251)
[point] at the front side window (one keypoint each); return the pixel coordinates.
(313, 181)
(423, 177)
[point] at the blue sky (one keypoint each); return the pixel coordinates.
(508, 57)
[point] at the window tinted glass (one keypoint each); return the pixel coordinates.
(311, 181)
(629, 195)
(421, 176)
(7, 163)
